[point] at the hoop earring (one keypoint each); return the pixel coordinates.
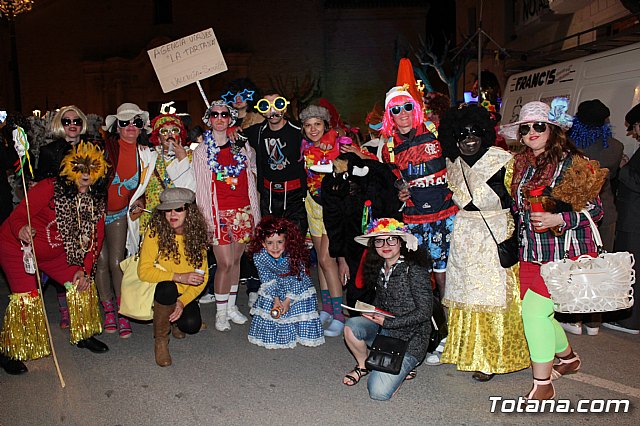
(521, 141)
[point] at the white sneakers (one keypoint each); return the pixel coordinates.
(235, 316)
(223, 315)
(207, 298)
(222, 321)
(572, 327)
(434, 357)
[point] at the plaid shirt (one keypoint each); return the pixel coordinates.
(542, 247)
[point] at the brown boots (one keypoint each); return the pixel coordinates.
(161, 329)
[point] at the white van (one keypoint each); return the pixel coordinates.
(612, 76)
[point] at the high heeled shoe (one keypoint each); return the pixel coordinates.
(536, 383)
(564, 366)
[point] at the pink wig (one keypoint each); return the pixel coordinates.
(388, 125)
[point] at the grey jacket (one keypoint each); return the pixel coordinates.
(408, 296)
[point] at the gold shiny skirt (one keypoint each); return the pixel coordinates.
(24, 333)
(487, 341)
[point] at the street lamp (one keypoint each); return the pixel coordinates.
(10, 9)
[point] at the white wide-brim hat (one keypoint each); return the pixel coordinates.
(532, 112)
(126, 112)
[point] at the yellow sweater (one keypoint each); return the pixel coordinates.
(148, 272)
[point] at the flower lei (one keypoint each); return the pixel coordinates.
(228, 174)
(387, 225)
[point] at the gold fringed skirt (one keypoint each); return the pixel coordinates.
(84, 314)
(488, 341)
(24, 332)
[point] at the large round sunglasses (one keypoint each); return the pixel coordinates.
(138, 122)
(264, 105)
(538, 126)
(164, 131)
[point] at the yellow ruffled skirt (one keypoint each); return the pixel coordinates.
(490, 342)
(24, 331)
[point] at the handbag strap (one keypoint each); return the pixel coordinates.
(408, 340)
(155, 171)
(479, 211)
(595, 234)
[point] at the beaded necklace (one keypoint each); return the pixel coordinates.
(227, 174)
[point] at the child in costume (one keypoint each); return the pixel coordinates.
(286, 312)
(67, 227)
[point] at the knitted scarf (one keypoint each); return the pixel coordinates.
(541, 177)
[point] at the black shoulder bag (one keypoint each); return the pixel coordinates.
(508, 250)
(387, 353)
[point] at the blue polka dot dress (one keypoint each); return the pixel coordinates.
(301, 324)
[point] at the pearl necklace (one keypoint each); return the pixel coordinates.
(228, 174)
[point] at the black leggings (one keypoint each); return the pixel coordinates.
(167, 294)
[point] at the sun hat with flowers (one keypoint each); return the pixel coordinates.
(388, 227)
(537, 111)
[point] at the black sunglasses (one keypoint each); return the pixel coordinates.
(538, 126)
(138, 122)
(177, 209)
(395, 110)
(223, 114)
(67, 122)
(466, 132)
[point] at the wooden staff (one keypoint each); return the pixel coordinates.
(35, 260)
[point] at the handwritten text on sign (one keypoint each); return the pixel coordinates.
(187, 60)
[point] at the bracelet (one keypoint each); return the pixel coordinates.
(561, 226)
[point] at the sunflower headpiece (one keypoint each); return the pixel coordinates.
(85, 157)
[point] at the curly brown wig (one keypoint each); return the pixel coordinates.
(195, 237)
(295, 247)
(557, 146)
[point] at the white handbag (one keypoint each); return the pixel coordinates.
(590, 284)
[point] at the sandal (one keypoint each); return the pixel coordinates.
(536, 383)
(565, 366)
(411, 374)
(355, 378)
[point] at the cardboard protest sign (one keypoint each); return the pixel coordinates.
(187, 60)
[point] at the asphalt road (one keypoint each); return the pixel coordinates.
(221, 379)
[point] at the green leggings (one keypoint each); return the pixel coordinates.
(545, 336)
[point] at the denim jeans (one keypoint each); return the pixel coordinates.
(381, 386)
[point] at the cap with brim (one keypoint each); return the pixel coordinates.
(173, 198)
(388, 227)
(531, 112)
(126, 112)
